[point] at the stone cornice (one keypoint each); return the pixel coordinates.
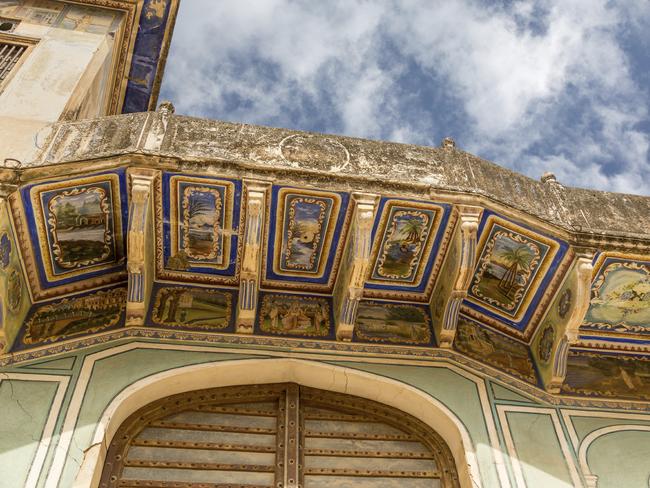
(585, 217)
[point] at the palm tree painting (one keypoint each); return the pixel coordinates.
(508, 264)
(405, 237)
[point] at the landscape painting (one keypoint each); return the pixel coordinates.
(591, 374)
(295, 315)
(508, 265)
(201, 223)
(621, 297)
(306, 220)
(405, 238)
(202, 212)
(80, 225)
(495, 349)
(73, 316)
(393, 323)
(193, 308)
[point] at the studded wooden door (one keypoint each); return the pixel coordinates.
(275, 436)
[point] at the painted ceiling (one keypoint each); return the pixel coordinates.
(65, 266)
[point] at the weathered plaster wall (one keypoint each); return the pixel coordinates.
(74, 46)
(50, 412)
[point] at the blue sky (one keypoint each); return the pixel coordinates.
(557, 85)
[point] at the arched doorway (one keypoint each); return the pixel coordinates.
(275, 435)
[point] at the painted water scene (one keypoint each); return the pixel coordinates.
(404, 241)
(495, 349)
(73, 316)
(295, 315)
(305, 225)
(598, 374)
(199, 308)
(406, 324)
(507, 266)
(621, 298)
(80, 226)
(201, 222)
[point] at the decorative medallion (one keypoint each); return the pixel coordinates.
(512, 262)
(325, 152)
(14, 291)
(393, 323)
(564, 304)
(193, 308)
(295, 315)
(545, 345)
(620, 297)
(495, 349)
(5, 250)
(74, 316)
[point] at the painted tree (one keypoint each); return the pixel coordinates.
(518, 258)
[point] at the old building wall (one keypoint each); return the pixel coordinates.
(65, 73)
(55, 409)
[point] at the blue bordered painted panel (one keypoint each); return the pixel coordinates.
(514, 268)
(304, 234)
(198, 218)
(620, 296)
(146, 55)
(77, 226)
(193, 308)
(295, 315)
(407, 236)
(393, 323)
(84, 314)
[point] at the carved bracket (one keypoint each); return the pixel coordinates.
(356, 259)
(139, 246)
(582, 270)
(459, 266)
(255, 204)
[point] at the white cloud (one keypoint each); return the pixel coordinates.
(539, 85)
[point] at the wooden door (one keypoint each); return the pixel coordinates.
(275, 436)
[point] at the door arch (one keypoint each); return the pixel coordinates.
(275, 435)
(315, 374)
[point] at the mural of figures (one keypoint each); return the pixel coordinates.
(404, 240)
(197, 308)
(507, 267)
(495, 349)
(406, 324)
(593, 374)
(73, 316)
(621, 297)
(201, 238)
(295, 315)
(80, 225)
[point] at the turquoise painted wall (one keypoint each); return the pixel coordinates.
(538, 443)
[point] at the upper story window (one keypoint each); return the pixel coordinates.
(13, 51)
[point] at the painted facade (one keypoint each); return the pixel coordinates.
(145, 254)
